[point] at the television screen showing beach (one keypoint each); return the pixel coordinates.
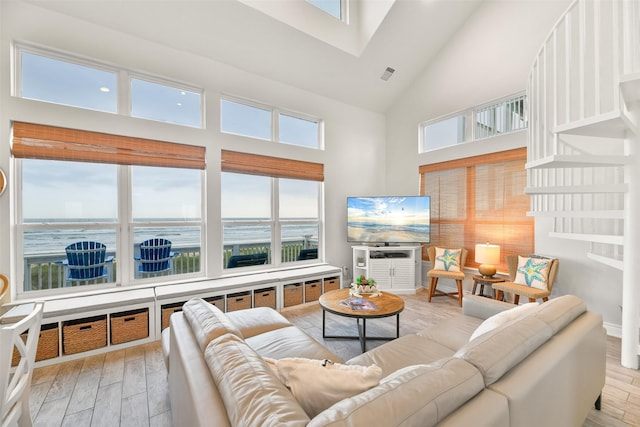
(388, 219)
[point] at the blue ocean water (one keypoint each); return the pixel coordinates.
(53, 241)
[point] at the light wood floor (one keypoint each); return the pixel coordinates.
(129, 387)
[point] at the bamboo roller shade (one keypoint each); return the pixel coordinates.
(255, 164)
(36, 141)
(480, 199)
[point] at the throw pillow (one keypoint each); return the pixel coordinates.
(533, 272)
(447, 259)
(503, 318)
(318, 384)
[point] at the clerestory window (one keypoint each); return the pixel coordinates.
(63, 79)
(245, 118)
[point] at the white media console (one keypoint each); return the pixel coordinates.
(394, 268)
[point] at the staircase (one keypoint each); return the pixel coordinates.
(584, 131)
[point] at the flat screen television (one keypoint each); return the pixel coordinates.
(388, 219)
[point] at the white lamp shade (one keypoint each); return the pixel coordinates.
(487, 254)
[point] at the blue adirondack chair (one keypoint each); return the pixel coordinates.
(155, 257)
(306, 254)
(87, 261)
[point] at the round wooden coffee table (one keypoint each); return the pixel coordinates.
(387, 305)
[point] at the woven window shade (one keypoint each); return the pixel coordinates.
(480, 199)
(255, 164)
(36, 141)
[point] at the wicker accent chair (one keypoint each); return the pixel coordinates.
(434, 275)
(518, 290)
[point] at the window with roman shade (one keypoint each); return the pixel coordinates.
(270, 209)
(120, 191)
(480, 199)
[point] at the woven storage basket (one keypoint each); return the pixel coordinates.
(331, 284)
(129, 325)
(48, 344)
(292, 294)
(217, 301)
(264, 298)
(238, 301)
(312, 291)
(167, 311)
(84, 334)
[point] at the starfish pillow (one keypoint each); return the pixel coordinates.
(533, 272)
(447, 259)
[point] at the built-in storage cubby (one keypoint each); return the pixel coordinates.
(129, 325)
(293, 294)
(80, 335)
(312, 290)
(394, 268)
(239, 301)
(80, 326)
(265, 297)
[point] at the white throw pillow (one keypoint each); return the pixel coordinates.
(503, 318)
(447, 259)
(533, 272)
(318, 384)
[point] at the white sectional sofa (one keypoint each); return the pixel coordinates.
(543, 366)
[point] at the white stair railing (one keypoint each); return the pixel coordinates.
(584, 125)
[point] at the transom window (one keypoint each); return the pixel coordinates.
(269, 123)
(497, 118)
(62, 79)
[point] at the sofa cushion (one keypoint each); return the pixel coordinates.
(453, 332)
(503, 318)
(318, 384)
(289, 342)
(258, 320)
(402, 352)
(252, 394)
(559, 312)
(207, 321)
(497, 351)
(420, 396)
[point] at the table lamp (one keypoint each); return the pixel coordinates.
(487, 256)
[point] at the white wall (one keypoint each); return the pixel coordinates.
(488, 59)
(354, 138)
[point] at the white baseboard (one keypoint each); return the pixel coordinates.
(612, 329)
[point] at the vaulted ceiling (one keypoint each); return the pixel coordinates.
(402, 34)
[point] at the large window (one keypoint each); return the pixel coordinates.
(99, 197)
(270, 210)
(269, 123)
(62, 79)
(480, 199)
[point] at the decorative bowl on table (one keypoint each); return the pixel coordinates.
(364, 286)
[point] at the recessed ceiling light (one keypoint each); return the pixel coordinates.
(179, 104)
(105, 89)
(387, 73)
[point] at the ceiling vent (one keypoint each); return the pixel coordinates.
(387, 74)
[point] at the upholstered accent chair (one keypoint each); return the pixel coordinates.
(519, 285)
(441, 271)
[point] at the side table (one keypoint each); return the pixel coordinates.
(482, 281)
